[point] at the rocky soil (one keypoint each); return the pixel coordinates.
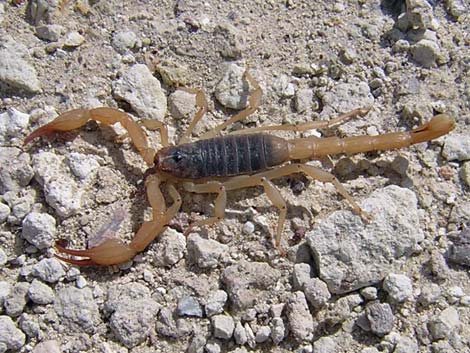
(399, 283)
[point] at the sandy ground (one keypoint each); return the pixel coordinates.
(313, 60)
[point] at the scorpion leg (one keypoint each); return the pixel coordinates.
(220, 202)
(254, 101)
(323, 124)
(201, 103)
(74, 119)
(319, 175)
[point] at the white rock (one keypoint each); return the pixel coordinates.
(15, 72)
(12, 124)
(398, 287)
(10, 336)
(232, 91)
(142, 91)
(39, 229)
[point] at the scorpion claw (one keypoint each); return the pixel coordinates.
(110, 252)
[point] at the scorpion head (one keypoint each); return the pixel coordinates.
(176, 161)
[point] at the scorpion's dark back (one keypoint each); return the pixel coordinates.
(224, 156)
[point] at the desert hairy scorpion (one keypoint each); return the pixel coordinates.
(217, 164)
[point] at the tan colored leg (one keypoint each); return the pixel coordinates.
(276, 198)
(324, 124)
(157, 125)
(319, 175)
(253, 103)
(201, 103)
(161, 216)
(219, 206)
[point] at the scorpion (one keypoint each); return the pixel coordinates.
(216, 164)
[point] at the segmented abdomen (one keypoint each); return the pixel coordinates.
(239, 154)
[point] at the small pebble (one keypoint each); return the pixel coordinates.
(73, 39)
(189, 306)
(40, 293)
(49, 270)
(223, 326)
(398, 287)
(39, 229)
(216, 302)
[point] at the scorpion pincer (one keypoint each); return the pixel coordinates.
(217, 164)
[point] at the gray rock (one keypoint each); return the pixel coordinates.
(20, 204)
(369, 293)
(419, 14)
(205, 252)
(231, 40)
(142, 91)
(51, 33)
(16, 171)
(77, 309)
(283, 87)
(170, 248)
(10, 336)
(39, 229)
(12, 124)
(51, 346)
(124, 41)
(239, 334)
(278, 330)
(465, 173)
(15, 72)
(40, 293)
(16, 299)
(315, 290)
(182, 104)
(444, 324)
(43, 10)
(166, 324)
(303, 100)
(49, 270)
(248, 282)
(216, 302)
(342, 309)
(233, 91)
(398, 287)
(454, 294)
(456, 8)
(133, 313)
(427, 53)
(457, 147)
(378, 318)
(4, 211)
(5, 289)
(83, 166)
(345, 97)
(459, 250)
(429, 294)
(73, 39)
(64, 196)
(134, 320)
(29, 324)
(3, 258)
(438, 264)
(324, 345)
(189, 306)
(298, 315)
(352, 254)
(119, 295)
(262, 334)
(223, 326)
(250, 336)
(406, 345)
(212, 347)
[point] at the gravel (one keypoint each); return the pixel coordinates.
(226, 288)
